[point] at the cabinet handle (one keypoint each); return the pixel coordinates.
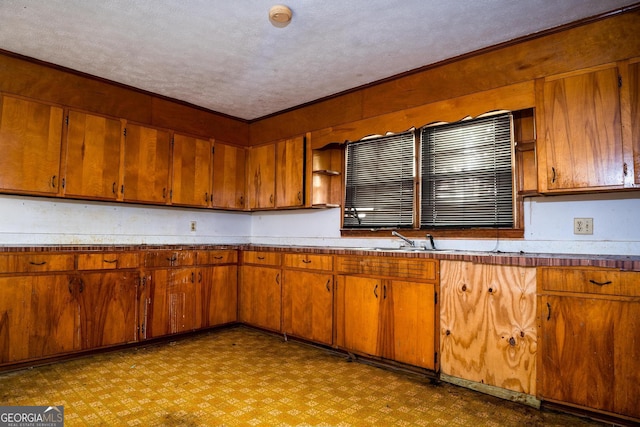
(199, 276)
(70, 286)
(548, 311)
(113, 188)
(164, 193)
(37, 263)
(260, 257)
(193, 277)
(271, 199)
(553, 175)
(64, 181)
(384, 292)
(218, 257)
(278, 278)
(81, 286)
(53, 181)
(206, 197)
(375, 290)
(241, 200)
(299, 196)
(306, 261)
(122, 189)
(110, 261)
(600, 283)
(328, 288)
(625, 170)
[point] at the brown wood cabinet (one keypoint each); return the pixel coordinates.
(260, 292)
(290, 167)
(589, 352)
(229, 178)
(147, 154)
(580, 134)
(488, 324)
(261, 176)
(386, 307)
(92, 156)
(307, 297)
(219, 287)
(30, 142)
(191, 171)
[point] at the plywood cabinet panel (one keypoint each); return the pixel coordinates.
(488, 324)
(261, 176)
(15, 309)
(219, 295)
(92, 164)
(290, 167)
(260, 297)
(30, 141)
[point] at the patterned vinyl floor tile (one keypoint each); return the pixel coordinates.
(243, 377)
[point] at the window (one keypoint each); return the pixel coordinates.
(465, 176)
(380, 182)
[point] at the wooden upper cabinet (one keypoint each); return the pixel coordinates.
(261, 176)
(92, 163)
(631, 118)
(581, 147)
(228, 189)
(191, 184)
(30, 142)
(147, 154)
(290, 162)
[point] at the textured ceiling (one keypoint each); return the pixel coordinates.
(226, 56)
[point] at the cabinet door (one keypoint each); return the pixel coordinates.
(261, 176)
(290, 172)
(107, 308)
(260, 297)
(488, 330)
(146, 164)
(411, 313)
(307, 307)
(219, 300)
(582, 133)
(156, 307)
(361, 313)
(30, 141)
(191, 184)
(578, 338)
(53, 326)
(92, 166)
(634, 117)
(228, 176)
(182, 300)
(15, 304)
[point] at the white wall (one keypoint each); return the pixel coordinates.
(33, 221)
(548, 226)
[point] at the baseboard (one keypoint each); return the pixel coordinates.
(502, 393)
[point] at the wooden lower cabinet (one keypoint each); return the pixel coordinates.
(219, 295)
(307, 305)
(590, 347)
(260, 297)
(107, 302)
(393, 319)
(488, 330)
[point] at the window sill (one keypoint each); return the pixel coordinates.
(476, 233)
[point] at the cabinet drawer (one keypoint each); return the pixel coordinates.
(217, 257)
(169, 258)
(410, 268)
(261, 258)
(590, 280)
(310, 262)
(26, 263)
(108, 260)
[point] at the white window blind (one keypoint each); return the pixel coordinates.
(380, 182)
(467, 174)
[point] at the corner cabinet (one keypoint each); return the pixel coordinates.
(590, 318)
(30, 143)
(387, 307)
(325, 176)
(580, 134)
(260, 290)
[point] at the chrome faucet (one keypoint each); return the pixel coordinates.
(400, 236)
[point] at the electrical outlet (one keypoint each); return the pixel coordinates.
(193, 225)
(582, 225)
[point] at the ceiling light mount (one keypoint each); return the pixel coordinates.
(280, 15)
